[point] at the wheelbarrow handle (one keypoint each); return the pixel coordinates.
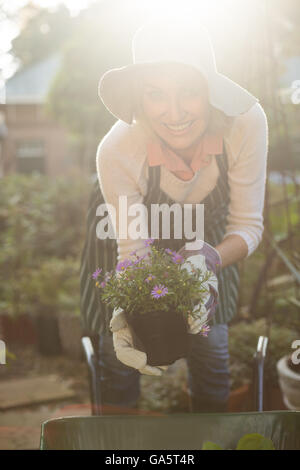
(93, 368)
(258, 372)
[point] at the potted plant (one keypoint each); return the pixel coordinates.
(243, 337)
(289, 381)
(157, 293)
(17, 324)
(70, 333)
(53, 293)
(33, 210)
(69, 319)
(43, 288)
(253, 441)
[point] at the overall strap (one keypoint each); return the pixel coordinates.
(222, 162)
(154, 180)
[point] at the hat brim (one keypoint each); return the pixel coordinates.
(229, 97)
(115, 90)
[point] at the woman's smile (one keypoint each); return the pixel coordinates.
(175, 104)
(179, 129)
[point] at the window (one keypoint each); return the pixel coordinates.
(30, 156)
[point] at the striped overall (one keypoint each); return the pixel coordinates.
(103, 252)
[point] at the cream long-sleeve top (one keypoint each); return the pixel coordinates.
(123, 170)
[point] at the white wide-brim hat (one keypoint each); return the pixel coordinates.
(180, 41)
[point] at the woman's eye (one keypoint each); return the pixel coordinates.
(190, 92)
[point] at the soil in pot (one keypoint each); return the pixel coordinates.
(162, 335)
(293, 367)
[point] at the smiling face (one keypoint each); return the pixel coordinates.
(174, 104)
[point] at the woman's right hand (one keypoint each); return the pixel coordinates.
(123, 345)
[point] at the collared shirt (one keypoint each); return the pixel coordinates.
(160, 154)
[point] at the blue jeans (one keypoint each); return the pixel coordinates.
(208, 373)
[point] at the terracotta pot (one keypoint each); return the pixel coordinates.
(239, 399)
(7, 330)
(25, 330)
(70, 333)
(48, 336)
(162, 335)
(273, 399)
(20, 329)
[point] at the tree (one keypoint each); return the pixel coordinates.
(99, 38)
(102, 40)
(42, 33)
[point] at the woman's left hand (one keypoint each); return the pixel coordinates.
(207, 259)
(198, 323)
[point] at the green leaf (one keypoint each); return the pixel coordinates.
(208, 445)
(255, 442)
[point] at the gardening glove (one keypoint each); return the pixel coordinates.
(202, 255)
(123, 345)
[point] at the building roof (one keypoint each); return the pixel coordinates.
(31, 84)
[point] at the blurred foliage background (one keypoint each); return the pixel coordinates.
(99, 38)
(42, 220)
(42, 229)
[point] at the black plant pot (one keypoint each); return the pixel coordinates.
(163, 336)
(48, 335)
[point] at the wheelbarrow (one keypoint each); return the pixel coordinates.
(90, 346)
(182, 431)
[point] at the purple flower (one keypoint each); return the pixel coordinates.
(205, 330)
(177, 259)
(139, 258)
(170, 252)
(96, 273)
(149, 242)
(102, 284)
(133, 253)
(149, 278)
(123, 265)
(159, 291)
(108, 275)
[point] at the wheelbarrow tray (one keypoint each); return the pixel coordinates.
(171, 432)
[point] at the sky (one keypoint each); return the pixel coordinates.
(217, 12)
(9, 29)
(74, 5)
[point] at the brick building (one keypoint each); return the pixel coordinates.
(30, 140)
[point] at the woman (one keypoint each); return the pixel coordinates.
(185, 133)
